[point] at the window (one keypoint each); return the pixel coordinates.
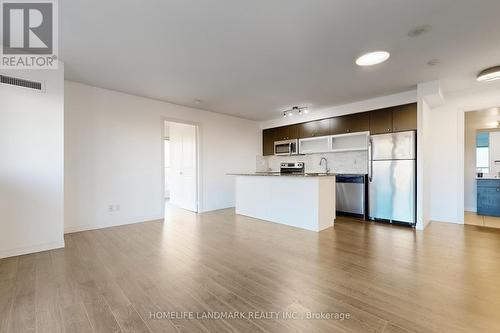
(482, 152)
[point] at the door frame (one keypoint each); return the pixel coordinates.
(461, 154)
(199, 167)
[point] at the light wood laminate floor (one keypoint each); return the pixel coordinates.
(486, 221)
(388, 278)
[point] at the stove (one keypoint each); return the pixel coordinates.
(296, 168)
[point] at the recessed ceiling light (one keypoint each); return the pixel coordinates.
(373, 58)
(489, 74)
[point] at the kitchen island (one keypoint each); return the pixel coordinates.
(304, 201)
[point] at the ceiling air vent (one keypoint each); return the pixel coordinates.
(14, 81)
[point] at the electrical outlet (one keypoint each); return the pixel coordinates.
(117, 207)
(111, 208)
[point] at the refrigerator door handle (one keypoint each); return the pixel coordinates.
(370, 160)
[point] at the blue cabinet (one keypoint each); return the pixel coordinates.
(488, 197)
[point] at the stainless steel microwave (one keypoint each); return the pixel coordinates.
(287, 147)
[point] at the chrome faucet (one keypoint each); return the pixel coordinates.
(327, 170)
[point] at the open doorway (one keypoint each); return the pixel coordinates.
(180, 146)
(482, 168)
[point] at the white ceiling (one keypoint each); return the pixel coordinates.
(255, 58)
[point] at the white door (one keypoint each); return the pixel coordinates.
(183, 190)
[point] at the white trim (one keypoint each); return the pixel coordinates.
(31, 249)
(347, 149)
(86, 227)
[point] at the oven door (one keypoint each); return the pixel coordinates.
(285, 148)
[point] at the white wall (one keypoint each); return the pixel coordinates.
(113, 156)
(32, 164)
(446, 155)
(470, 167)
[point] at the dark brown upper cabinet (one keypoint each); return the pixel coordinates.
(287, 133)
(314, 128)
(404, 117)
(388, 120)
(357, 122)
(381, 121)
(268, 138)
(281, 133)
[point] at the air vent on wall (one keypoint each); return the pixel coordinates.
(14, 81)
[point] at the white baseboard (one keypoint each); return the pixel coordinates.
(31, 249)
(86, 227)
(447, 221)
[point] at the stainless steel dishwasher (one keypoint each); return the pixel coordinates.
(351, 195)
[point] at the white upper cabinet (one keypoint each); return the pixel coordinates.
(320, 144)
(350, 142)
(334, 143)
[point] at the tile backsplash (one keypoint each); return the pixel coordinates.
(344, 162)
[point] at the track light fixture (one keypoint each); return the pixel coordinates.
(299, 110)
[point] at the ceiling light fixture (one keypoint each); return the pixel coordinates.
(489, 74)
(300, 110)
(373, 58)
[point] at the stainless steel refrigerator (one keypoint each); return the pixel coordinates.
(392, 177)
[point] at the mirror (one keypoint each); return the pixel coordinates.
(488, 152)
